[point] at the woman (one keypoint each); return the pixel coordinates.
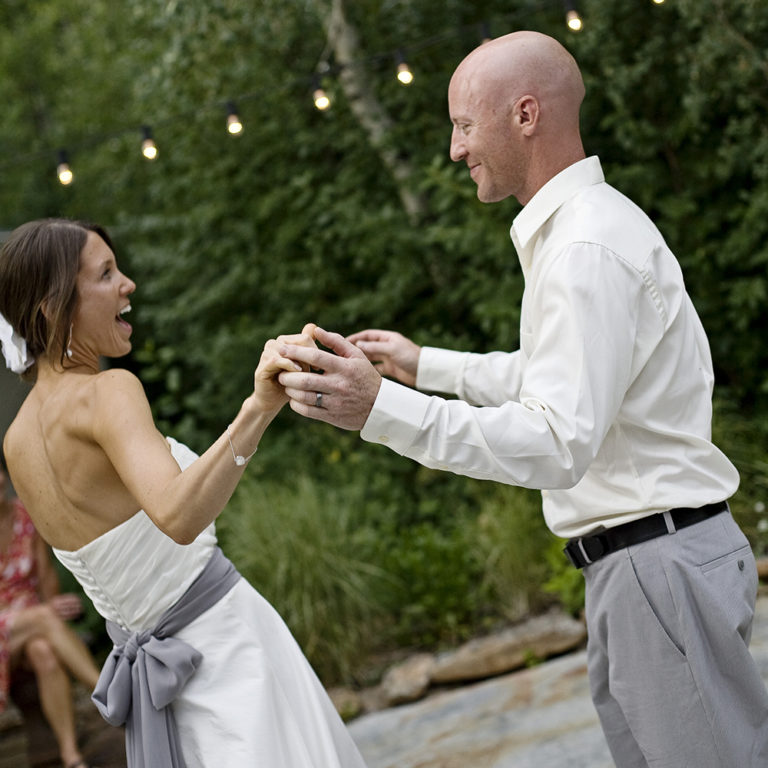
(32, 625)
(107, 491)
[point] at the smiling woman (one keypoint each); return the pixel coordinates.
(131, 514)
(97, 328)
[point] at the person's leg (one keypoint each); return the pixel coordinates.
(675, 664)
(42, 621)
(621, 742)
(55, 697)
(712, 578)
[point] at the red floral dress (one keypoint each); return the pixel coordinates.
(18, 586)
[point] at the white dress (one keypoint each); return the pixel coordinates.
(254, 700)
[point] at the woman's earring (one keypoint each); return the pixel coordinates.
(69, 342)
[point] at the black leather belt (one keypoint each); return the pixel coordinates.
(587, 549)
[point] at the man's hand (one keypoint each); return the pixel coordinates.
(391, 353)
(343, 394)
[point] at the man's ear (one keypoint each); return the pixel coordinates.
(526, 114)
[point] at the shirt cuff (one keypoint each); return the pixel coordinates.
(440, 370)
(396, 417)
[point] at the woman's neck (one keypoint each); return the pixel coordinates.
(50, 372)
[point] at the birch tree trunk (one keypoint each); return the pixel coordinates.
(370, 113)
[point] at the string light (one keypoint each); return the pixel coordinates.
(319, 96)
(63, 171)
(234, 124)
(404, 74)
(572, 18)
(148, 146)
(658, 2)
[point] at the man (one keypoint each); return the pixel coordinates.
(606, 407)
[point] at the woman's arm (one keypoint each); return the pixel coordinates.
(183, 504)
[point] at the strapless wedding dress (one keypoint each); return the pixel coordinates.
(254, 700)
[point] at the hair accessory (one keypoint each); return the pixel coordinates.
(239, 460)
(17, 358)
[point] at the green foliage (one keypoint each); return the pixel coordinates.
(436, 593)
(743, 436)
(352, 580)
(565, 581)
(512, 539)
(304, 550)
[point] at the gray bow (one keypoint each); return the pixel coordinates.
(147, 670)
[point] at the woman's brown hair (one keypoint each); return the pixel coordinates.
(38, 282)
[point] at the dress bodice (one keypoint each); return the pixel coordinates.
(133, 573)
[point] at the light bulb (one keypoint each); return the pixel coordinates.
(149, 149)
(148, 146)
(322, 102)
(573, 20)
(66, 177)
(234, 124)
(63, 171)
(404, 74)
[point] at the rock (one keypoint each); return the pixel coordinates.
(100, 743)
(373, 699)
(408, 680)
(542, 716)
(13, 738)
(347, 702)
(512, 648)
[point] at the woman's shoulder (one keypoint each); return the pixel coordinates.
(117, 396)
(116, 382)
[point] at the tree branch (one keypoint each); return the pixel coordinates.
(370, 113)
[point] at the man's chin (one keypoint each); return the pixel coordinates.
(485, 197)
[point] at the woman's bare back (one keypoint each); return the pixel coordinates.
(67, 482)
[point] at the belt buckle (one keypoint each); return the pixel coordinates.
(571, 556)
(585, 550)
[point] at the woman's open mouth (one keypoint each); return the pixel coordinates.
(119, 317)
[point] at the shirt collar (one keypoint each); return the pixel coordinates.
(552, 195)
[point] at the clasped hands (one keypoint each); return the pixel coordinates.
(338, 384)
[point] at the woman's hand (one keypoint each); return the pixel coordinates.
(268, 393)
(67, 606)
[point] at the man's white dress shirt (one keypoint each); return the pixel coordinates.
(606, 406)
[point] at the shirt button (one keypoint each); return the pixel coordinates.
(741, 565)
(383, 439)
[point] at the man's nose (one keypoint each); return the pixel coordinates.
(458, 151)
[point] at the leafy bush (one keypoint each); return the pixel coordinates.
(512, 540)
(303, 550)
(743, 436)
(352, 580)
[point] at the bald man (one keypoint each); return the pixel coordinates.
(606, 407)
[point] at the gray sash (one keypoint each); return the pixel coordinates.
(147, 670)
